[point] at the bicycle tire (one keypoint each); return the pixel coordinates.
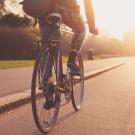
(38, 94)
(78, 80)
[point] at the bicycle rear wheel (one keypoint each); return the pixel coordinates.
(44, 118)
(77, 85)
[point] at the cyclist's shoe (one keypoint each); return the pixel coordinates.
(74, 68)
(50, 89)
(49, 104)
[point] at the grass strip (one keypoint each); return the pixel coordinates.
(15, 63)
(20, 63)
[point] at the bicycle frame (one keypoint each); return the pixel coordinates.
(56, 55)
(49, 82)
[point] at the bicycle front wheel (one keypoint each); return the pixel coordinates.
(77, 85)
(43, 75)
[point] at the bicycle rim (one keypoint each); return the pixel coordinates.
(77, 85)
(44, 119)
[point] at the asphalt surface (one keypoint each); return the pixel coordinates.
(19, 79)
(108, 109)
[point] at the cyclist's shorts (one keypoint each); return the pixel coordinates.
(71, 17)
(70, 11)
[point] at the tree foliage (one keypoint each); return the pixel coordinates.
(2, 8)
(16, 44)
(13, 20)
(129, 42)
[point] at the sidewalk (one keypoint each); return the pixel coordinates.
(19, 79)
(20, 97)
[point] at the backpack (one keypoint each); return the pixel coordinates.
(36, 8)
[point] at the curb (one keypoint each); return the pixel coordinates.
(100, 71)
(13, 101)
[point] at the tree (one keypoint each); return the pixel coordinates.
(16, 44)
(2, 8)
(129, 42)
(14, 20)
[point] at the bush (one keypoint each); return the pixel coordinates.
(16, 44)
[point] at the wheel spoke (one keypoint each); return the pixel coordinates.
(77, 95)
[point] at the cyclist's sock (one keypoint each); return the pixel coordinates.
(72, 57)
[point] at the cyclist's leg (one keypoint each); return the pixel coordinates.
(48, 34)
(71, 17)
(43, 26)
(77, 42)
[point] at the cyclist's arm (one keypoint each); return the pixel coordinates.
(90, 16)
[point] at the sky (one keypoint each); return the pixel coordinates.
(114, 16)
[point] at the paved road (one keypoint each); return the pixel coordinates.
(109, 109)
(19, 79)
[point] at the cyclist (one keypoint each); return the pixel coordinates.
(70, 12)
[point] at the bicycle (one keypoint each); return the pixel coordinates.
(48, 74)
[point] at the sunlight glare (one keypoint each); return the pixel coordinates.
(114, 16)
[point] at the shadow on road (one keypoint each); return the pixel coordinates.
(36, 133)
(60, 119)
(64, 117)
